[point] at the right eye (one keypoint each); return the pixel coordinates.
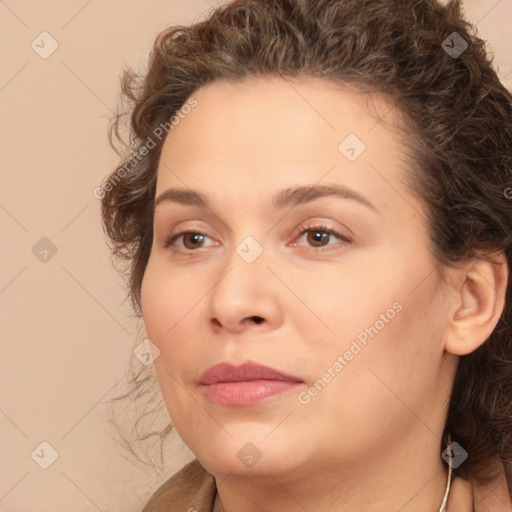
(190, 243)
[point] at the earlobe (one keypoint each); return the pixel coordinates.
(480, 302)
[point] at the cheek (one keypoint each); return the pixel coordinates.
(387, 321)
(394, 359)
(171, 303)
(166, 299)
(389, 381)
(340, 301)
(162, 309)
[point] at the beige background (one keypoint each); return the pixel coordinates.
(66, 335)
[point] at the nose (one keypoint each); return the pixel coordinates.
(246, 297)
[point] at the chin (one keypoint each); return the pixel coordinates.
(250, 454)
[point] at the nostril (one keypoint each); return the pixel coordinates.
(257, 319)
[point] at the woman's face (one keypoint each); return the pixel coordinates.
(352, 310)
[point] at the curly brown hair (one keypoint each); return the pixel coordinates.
(459, 131)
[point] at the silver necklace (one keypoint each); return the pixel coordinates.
(448, 484)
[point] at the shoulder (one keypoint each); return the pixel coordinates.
(190, 489)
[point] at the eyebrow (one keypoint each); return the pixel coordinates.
(287, 197)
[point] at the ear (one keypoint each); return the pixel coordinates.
(479, 298)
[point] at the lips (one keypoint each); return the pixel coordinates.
(245, 384)
(226, 372)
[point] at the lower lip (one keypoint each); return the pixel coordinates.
(247, 392)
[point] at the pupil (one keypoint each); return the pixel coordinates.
(319, 236)
(195, 237)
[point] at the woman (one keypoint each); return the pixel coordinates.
(316, 209)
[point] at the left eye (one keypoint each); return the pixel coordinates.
(317, 235)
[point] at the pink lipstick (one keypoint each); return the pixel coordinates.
(246, 384)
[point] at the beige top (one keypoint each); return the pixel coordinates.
(193, 489)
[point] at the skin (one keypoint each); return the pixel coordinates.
(371, 439)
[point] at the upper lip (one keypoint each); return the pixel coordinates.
(226, 372)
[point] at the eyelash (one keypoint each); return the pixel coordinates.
(303, 229)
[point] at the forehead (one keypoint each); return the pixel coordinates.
(268, 133)
(281, 111)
